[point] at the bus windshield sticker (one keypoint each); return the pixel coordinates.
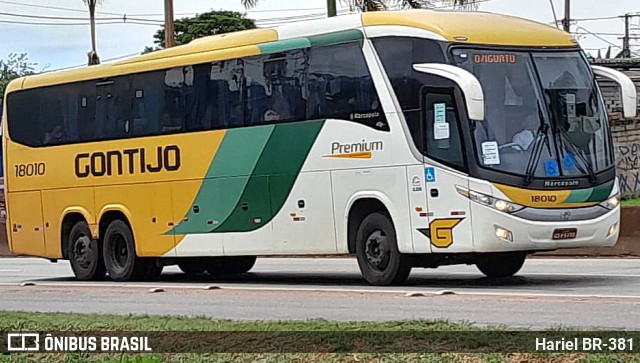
(495, 58)
(440, 113)
(430, 174)
(551, 168)
(490, 153)
(441, 131)
(568, 161)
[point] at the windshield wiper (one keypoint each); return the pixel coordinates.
(542, 137)
(564, 136)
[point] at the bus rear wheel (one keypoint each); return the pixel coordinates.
(501, 264)
(377, 252)
(85, 254)
(120, 257)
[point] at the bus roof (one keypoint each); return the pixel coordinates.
(459, 27)
(477, 27)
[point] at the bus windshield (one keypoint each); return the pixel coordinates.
(544, 116)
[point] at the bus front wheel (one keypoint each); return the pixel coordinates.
(85, 254)
(501, 264)
(120, 256)
(377, 252)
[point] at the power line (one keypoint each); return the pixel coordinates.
(133, 20)
(107, 60)
(597, 36)
(78, 10)
(280, 10)
(599, 33)
(597, 18)
(32, 16)
(17, 22)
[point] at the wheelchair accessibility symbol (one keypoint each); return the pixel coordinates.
(430, 174)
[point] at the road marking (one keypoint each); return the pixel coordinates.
(10, 270)
(427, 293)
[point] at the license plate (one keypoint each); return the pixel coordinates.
(565, 233)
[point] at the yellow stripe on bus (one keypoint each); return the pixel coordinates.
(539, 198)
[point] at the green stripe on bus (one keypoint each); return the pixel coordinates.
(226, 179)
(596, 194)
(579, 195)
(284, 45)
(601, 192)
(336, 38)
(274, 176)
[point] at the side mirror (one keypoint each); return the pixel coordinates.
(468, 83)
(628, 90)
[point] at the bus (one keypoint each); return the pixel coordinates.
(408, 139)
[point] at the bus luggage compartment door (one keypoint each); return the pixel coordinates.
(25, 223)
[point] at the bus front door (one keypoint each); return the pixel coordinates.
(448, 211)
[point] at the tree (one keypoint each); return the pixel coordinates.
(211, 23)
(93, 55)
(15, 66)
(377, 5)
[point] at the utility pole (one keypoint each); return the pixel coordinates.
(331, 8)
(169, 29)
(566, 22)
(626, 49)
(626, 40)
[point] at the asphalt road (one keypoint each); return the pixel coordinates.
(546, 293)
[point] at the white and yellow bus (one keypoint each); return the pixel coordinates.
(409, 139)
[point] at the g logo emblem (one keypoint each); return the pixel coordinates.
(441, 231)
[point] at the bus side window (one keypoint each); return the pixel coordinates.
(227, 83)
(113, 111)
(147, 103)
(24, 109)
(195, 98)
(86, 112)
(340, 86)
(173, 116)
(51, 120)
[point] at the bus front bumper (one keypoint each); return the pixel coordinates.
(496, 231)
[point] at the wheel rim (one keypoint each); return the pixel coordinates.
(119, 251)
(83, 253)
(377, 251)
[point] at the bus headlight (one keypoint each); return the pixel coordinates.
(612, 202)
(495, 203)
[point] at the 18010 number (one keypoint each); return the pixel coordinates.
(27, 170)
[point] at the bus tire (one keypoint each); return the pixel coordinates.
(119, 250)
(377, 252)
(230, 265)
(85, 254)
(501, 264)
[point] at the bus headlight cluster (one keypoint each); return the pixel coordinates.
(489, 201)
(612, 202)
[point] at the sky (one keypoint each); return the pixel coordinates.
(59, 46)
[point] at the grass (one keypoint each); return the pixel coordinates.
(19, 321)
(631, 202)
